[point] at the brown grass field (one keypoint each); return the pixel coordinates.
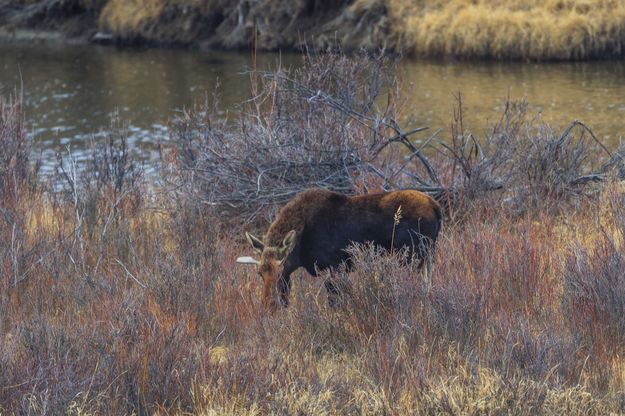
(494, 29)
(121, 296)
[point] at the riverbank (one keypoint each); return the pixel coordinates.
(504, 29)
(269, 26)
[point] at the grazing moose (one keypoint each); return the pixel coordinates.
(314, 229)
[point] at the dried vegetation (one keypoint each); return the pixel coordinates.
(122, 298)
(527, 29)
(501, 29)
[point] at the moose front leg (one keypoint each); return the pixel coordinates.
(333, 293)
(284, 288)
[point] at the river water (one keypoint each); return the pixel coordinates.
(71, 91)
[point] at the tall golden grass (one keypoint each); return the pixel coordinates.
(527, 29)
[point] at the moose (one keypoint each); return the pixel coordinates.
(314, 229)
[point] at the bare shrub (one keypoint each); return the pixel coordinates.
(559, 167)
(384, 292)
(14, 148)
(525, 162)
(108, 168)
(320, 126)
(495, 291)
(17, 185)
(102, 193)
(316, 126)
(594, 296)
(381, 295)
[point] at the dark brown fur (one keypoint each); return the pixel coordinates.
(326, 223)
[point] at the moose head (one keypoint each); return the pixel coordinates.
(271, 266)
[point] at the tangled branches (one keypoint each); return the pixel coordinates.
(327, 125)
(317, 126)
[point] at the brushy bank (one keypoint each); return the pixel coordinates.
(119, 297)
(502, 29)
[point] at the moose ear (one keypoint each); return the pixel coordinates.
(247, 260)
(288, 243)
(255, 242)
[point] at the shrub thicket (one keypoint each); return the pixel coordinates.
(121, 297)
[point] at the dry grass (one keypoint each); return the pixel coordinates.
(160, 21)
(515, 321)
(528, 29)
(121, 298)
(502, 29)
